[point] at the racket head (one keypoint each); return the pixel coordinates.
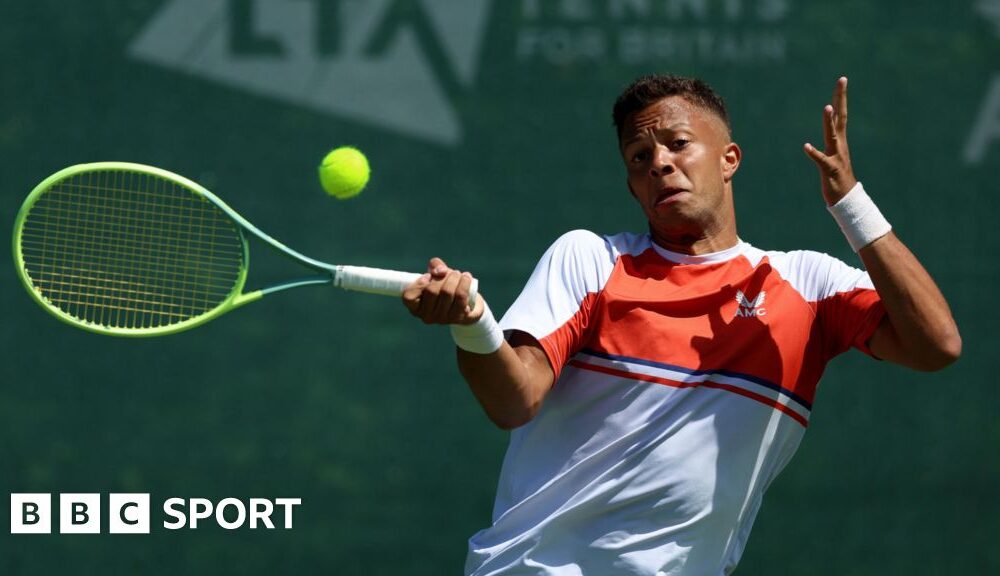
(130, 250)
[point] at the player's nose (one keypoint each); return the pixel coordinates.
(662, 163)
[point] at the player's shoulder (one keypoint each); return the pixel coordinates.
(815, 275)
(580, 238)
(796, 257)
(585, 243)
(610, 246)
(593, 255)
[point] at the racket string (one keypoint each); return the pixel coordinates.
(131, 250)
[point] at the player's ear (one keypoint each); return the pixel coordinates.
(730, 159)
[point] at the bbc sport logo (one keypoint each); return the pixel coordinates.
(31, 513)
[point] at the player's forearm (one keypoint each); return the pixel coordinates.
(922, 323)
(509, 386)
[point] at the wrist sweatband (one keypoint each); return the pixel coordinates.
(482, 337)
(859, 218)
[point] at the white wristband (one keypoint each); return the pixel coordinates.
(859, 218)
(482, 337)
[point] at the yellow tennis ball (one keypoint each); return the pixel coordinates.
(344, 172)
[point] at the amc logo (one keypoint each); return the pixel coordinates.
(130, 513)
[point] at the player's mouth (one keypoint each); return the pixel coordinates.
(668, 195)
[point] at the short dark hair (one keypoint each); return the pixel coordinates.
(650, 89)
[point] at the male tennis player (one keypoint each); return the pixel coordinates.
(657, 383)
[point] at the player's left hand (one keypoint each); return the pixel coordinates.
(836, 176)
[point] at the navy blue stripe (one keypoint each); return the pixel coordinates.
(756, 380)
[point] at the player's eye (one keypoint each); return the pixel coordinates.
(639, 156)
(679, 143)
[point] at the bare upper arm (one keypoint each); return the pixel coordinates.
(534, 358)
(886, 344)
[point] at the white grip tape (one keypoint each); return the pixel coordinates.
(385, 282)
(373, 280)
(859, 218)
(482, 337)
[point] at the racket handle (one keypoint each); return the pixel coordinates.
(385, 282)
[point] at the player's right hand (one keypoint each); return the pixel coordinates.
(441, 296)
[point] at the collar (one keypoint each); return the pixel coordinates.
(710, 258)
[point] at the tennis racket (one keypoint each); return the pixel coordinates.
(132, 250)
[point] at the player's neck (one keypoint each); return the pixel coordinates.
(696, 243)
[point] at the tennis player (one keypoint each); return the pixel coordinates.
(657, 383)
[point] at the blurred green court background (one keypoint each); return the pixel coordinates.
(488, 127)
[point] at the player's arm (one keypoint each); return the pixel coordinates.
(918, 330)
(510, 381)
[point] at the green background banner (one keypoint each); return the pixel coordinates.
(488, 127)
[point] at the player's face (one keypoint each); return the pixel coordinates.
(680, 161)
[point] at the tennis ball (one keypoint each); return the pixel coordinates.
(344, 172)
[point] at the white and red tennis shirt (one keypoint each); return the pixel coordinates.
(684, 385)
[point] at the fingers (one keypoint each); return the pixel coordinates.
(829, 130)
(836, 175)
(822, 160)
(440, 296)
(440, 310)
(835, 117)
(834, 122)
(437, 267)
(411, 294)
(460, 304)
(840, 103)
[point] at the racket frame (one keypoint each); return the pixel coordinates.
(328, 274)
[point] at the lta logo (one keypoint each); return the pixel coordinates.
(396, 64)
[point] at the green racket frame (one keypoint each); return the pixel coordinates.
(358, 278)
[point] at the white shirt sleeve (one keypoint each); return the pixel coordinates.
(846, 303)
(567, 278)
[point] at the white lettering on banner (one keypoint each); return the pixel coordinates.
(355, 59)
(637, 32)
